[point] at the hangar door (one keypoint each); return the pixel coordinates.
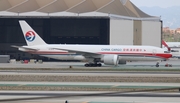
(121, 32)
(151, 33)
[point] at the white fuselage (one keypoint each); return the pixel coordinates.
(125, 52)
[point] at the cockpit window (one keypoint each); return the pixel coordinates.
(174, 50)
(166, 51)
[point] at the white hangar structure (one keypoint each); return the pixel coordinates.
(127, 24)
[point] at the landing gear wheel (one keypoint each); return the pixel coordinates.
(86, 65)
(99, 65)
(92, 65)
(157, 65)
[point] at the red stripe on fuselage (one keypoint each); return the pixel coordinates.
(161, 55)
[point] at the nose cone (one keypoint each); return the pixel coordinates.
(168, 55)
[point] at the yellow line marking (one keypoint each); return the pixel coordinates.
(115, 85)
(85, 102)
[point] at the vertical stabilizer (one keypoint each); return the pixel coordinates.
(31, 37)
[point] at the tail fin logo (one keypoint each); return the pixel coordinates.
(30, 36)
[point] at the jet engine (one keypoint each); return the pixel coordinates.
(111, 59)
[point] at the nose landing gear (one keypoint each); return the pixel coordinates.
(157, 64)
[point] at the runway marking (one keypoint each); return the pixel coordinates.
(86, 102)
(22, 85)
(111, 102)
(95, 86)
(115, 86)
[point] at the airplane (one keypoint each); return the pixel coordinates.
(94, 54)
(173, 47)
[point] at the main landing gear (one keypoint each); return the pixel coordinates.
(157, 64)
(93, 65)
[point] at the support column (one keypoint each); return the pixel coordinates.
(137, 32)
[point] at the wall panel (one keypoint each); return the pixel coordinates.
(151, 33)
(121, 32)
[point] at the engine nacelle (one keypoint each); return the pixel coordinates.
(111, 59)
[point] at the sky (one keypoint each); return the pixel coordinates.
(159, 3)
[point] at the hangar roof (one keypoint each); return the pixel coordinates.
(124, 8)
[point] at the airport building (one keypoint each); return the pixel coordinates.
(114, 22)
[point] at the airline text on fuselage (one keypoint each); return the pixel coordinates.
(111, 49)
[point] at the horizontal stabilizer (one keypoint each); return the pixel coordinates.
(24, 48)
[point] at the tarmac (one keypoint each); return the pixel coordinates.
(135, 64)
(90, 96)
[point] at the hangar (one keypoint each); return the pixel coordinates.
(114, 22)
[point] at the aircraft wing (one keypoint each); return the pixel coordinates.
(85, 53)
(24, 48)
